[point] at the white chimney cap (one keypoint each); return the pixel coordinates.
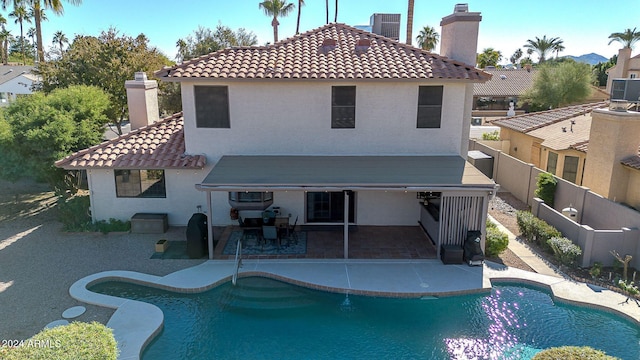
(140, 76)
(461, 8)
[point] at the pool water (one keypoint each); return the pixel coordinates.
(266, 319)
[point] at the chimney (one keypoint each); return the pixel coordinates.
(621, 70)
(459, 35)
(142, 98)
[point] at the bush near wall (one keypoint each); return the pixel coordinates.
(536, 230)
(572, 353)
(546, 188)
(78, 340)
(497, 241)
(564, 250)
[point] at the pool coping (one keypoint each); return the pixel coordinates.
(136, 323)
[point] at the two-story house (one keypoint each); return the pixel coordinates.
(334, 126)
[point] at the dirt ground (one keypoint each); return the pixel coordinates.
(503, 208)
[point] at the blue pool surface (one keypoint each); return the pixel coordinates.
(262, 318)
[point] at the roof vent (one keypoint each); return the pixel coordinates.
(363, 45)
(328, 44)
(503, 77)
(461, 8)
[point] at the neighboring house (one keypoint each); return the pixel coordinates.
(613, 156)
(506, 86)
(550, 139)
(626, 67)
(334, 126)
(15, 80)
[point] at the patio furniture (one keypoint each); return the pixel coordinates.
(290, 232)
(270, 233)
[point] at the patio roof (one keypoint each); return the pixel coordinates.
(343, 173)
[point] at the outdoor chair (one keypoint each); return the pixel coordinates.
(270, 233)
(292, 237)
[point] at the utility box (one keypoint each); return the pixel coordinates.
(148, 223)
(482, 162)
(451, 254)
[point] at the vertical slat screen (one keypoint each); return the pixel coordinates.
(459, 215)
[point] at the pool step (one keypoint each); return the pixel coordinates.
(256, 293)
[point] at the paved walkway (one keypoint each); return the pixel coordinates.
(521, 250)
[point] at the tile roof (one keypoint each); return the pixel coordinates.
(531, 121)
(562, 134)
(156, 146)
(357, 54)
(632, 161)
(8, 72)
(505, 82)
(581, 146)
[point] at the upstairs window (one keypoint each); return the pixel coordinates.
(140, 183)
(212, 106)
(343, 107)
(429, 107)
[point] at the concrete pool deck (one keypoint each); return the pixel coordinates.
(136, 323)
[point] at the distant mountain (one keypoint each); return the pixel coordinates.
(590, 59)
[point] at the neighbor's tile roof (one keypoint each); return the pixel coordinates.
(304, 57)
(581, 146)
(156, 146)
(562, 134)
(632, 161)
(529, 122)
(513, 82)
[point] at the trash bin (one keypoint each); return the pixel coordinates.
(197, 236)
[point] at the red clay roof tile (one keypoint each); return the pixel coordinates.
(304, 57)
(156, 146)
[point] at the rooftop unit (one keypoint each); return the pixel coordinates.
(625, 89)
(387, 25)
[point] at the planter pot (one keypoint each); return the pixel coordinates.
(162, 245)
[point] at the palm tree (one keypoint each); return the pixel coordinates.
(300, 4)
(5, 38)
(3, 21)
(327, 7)
(276, 8)
(516, 56)
(489, 57)
(428, 38)
(335, 17)
(410, 22)
(626, 38)
(558, 46)
(183, 49)
(20, 13)
(60, 38)
(32, 34)
(542, 46)
(38, 7)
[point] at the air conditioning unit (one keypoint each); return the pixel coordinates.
(387, 25)
(625, 89)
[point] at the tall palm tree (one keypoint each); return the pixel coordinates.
(626, 38)
(335, 17)
(38, 7)
(276, 8)
(542, 46)
(60, 38)
(410, 22)
(3, 21)
(31, 33)
(20, 13)
(327, 7)
(300, 4)
(428, 38)
(5, 39)
(557, 47)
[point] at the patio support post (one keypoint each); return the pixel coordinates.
(209, 223)
(346, 225)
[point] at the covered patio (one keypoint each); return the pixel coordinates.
(389, 186)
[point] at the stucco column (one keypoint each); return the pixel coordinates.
(346, 225)
(209, 222)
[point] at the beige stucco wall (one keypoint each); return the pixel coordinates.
(617, 137)
(287, 117)
(519, 144)
(561, 159)
(633, 189)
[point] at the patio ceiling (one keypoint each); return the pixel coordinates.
(343, 173)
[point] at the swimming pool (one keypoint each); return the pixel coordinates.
(268, 319)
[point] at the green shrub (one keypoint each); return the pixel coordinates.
(494, 136)
(546, 187)
(525, 224)
(73, 213)
(497, 241)
(572, 353)
(564, 250)
(596, 269)
(113, 225)
(77, 340)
